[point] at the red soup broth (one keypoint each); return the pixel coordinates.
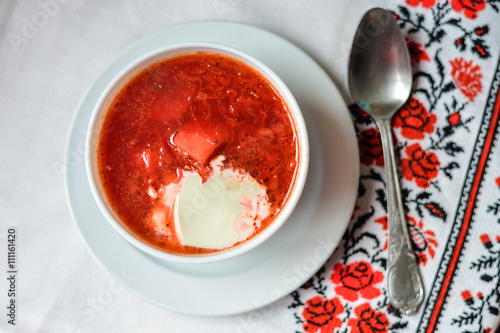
(180, 114)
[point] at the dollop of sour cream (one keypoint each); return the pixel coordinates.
(228, 208)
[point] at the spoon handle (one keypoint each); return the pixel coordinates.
(404, 282)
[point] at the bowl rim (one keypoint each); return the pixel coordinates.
(297, 119)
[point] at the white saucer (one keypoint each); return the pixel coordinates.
(288, 258)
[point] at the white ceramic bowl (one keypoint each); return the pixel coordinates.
(114, 87)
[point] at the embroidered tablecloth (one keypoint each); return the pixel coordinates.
(447, 139)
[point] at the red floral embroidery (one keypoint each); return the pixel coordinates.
(420, 165)
(454, 119)
(460, 43)
(368, 320)
(423, 240)
(414, 120)
(356, 279)
(385, 225)
(425, 3)
(485, 239)
(467, 297)
(498, 181)
(435, 210)
(370, 147)
(417, 53)
(470, 7)
(467, 77)
(480, 31)
(321, 314)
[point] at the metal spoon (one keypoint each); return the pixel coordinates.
(380, 82)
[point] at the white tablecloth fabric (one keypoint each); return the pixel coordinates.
(50, 54)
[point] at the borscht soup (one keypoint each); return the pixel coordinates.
(198, 153)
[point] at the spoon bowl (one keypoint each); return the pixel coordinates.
(380, 75)
(380, 82)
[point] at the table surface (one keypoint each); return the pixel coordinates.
(52, 51)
